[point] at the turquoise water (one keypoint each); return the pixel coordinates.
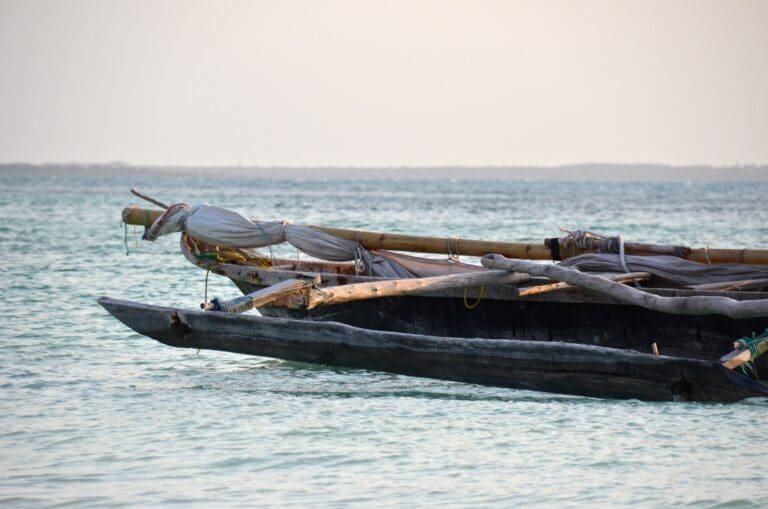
(92, 414)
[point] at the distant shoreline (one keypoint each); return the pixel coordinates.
(580, 172)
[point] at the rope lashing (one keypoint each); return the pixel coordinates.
(452, 248)
(757, 345)
(147, 224)
(577, 242)
(269, 242)
(477, 302)
(126, 213)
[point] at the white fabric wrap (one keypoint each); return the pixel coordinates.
(227, 228)
(320, 244)
(172, 220)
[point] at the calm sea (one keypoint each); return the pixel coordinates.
(92, 414)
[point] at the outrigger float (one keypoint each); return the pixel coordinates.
(608, 319)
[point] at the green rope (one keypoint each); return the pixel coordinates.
(753, 344)
(146, 224)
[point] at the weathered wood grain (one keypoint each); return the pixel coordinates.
(544, 366)
(399, 287)
(697, 305)
(743, 355)
(258, 298)
(553, 287)
(736, 358)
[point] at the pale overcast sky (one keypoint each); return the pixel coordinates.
(384, 83)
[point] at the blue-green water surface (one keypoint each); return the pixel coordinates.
(92, 414)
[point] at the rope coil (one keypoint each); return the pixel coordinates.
(452, 248)
(477, 302)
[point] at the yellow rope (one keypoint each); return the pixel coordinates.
(232, 257)
(477, 302)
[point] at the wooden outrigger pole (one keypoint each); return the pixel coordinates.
(473, 247)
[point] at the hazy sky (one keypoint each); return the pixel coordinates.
(384, 83)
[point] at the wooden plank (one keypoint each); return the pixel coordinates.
(736, 358)
(258, 298)
(741, 354)
(263, 277)
(619, 278)
(399, 287)
(267, 277)
(744, 284)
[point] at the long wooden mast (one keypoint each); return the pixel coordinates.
(473, 247)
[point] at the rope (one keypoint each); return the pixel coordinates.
(477, 302)
(753, 344)
(205, 295)
(269, 242)
(576, 242)
(359, 254)
(453, 250)
(125, 239)
(623, 259)
(146, 223)
(579, 241)
(752, 368)
(135, 235)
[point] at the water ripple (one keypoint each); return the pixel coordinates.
(94, 415)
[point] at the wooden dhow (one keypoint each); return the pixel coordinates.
(636, 330)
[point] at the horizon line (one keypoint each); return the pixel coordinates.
(114, 164)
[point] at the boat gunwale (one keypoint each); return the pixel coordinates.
(558, 358)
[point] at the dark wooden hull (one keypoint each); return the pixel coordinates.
(611, 325)
(555, 366)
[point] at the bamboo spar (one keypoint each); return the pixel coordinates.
(472, 247)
